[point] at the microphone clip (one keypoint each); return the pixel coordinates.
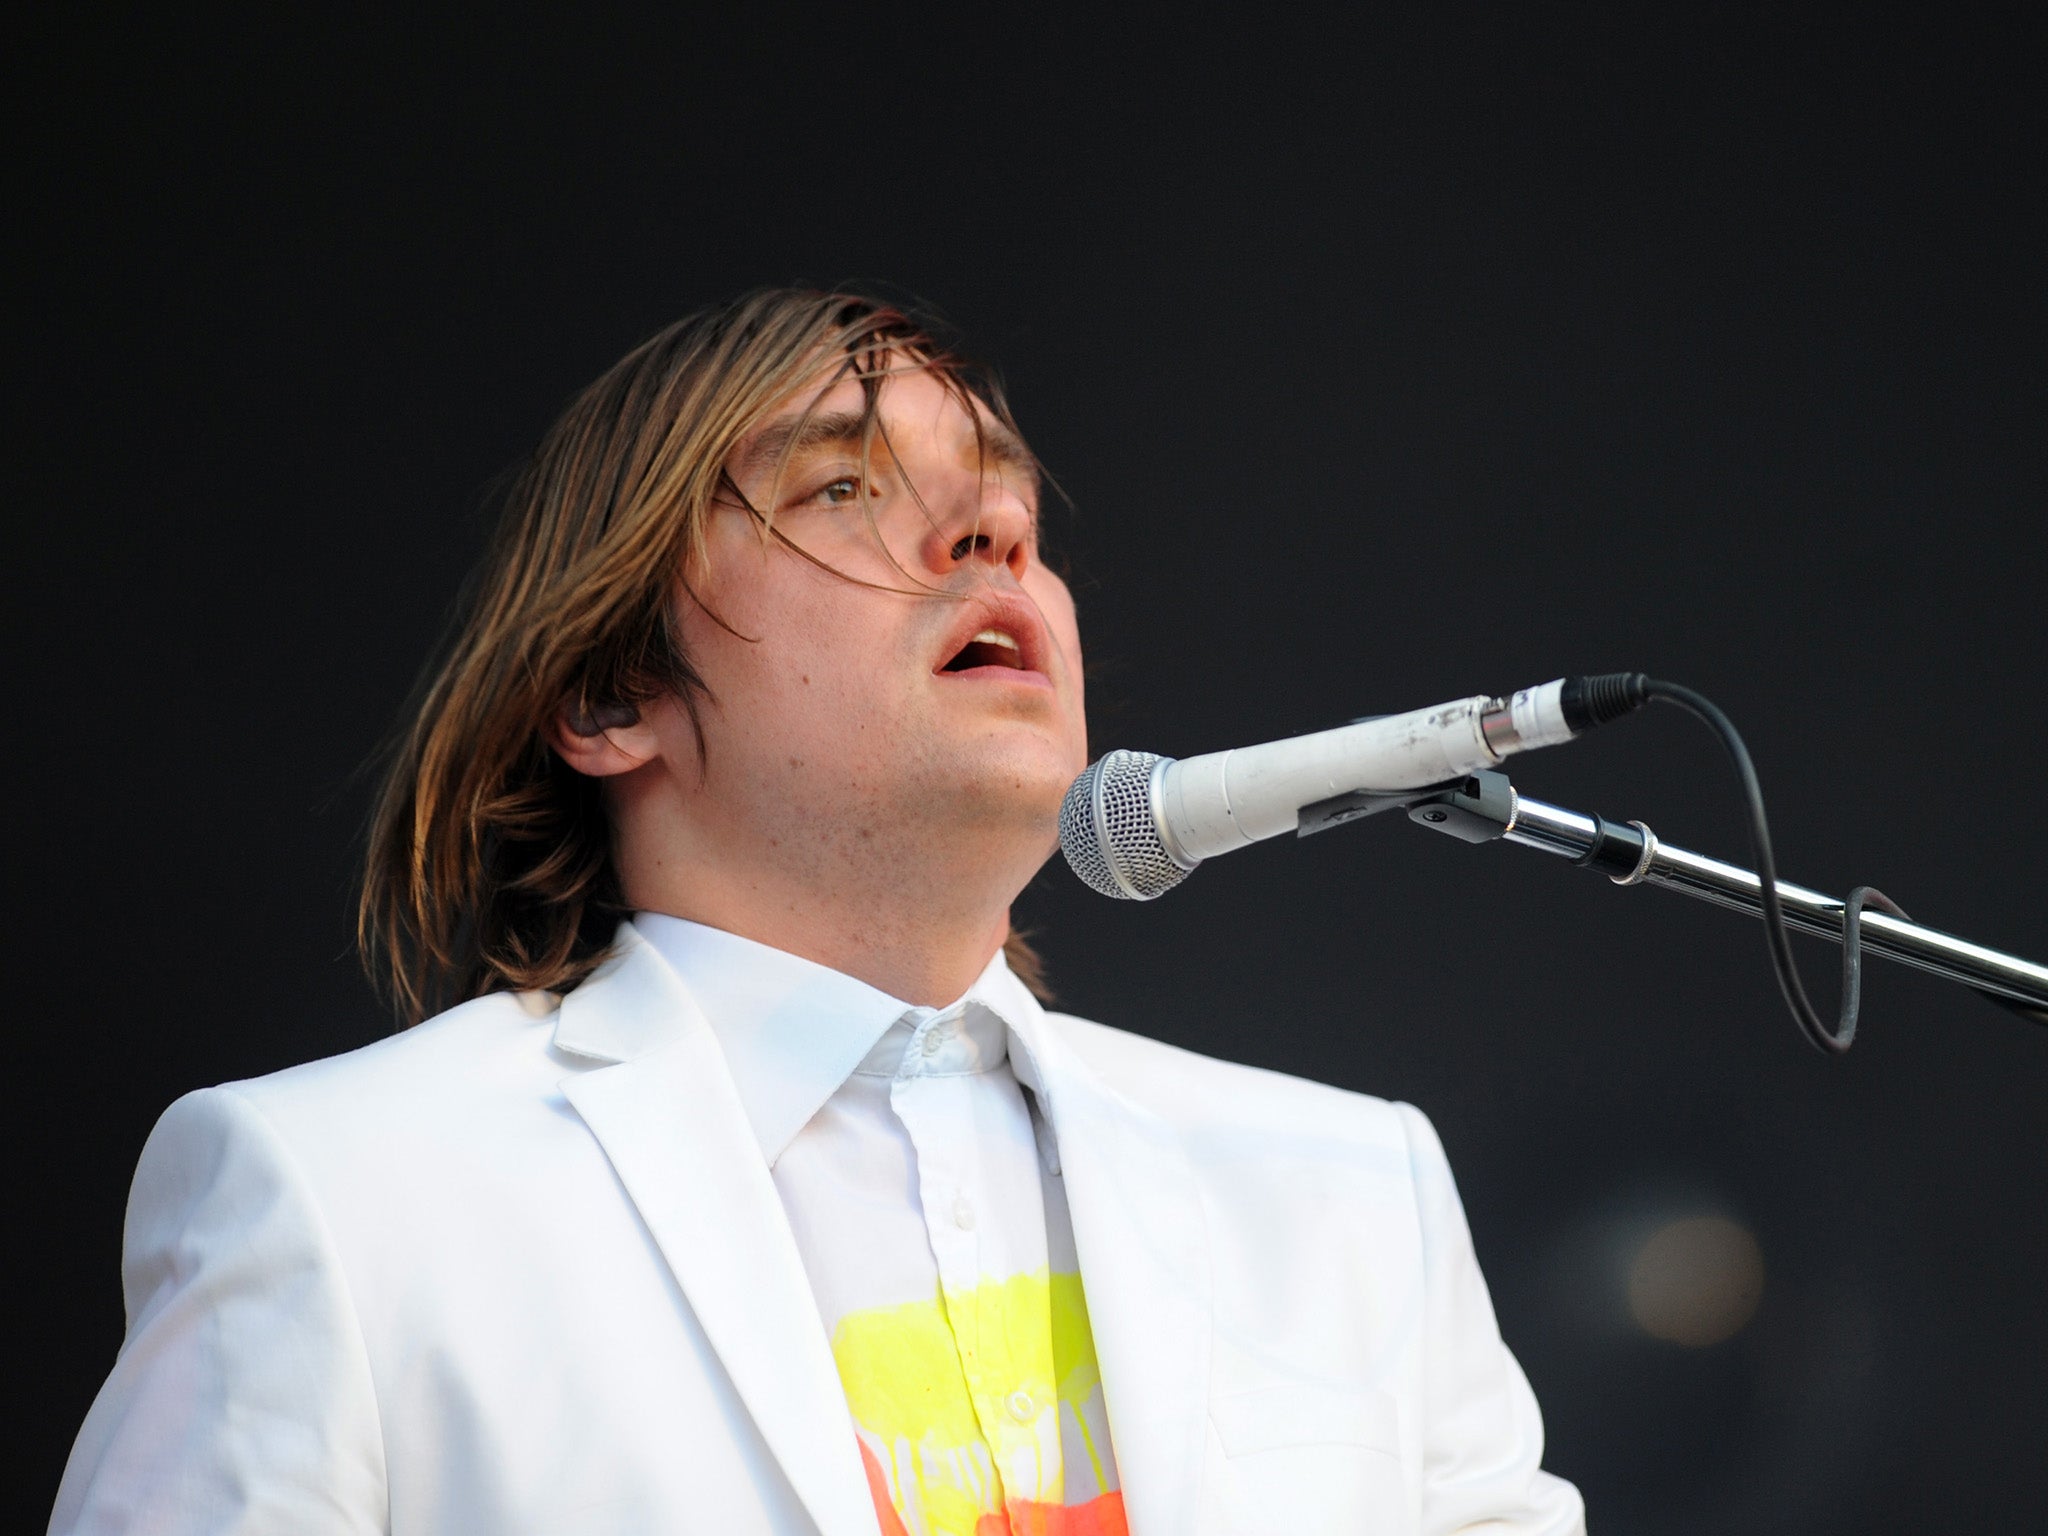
(1360, 803)
(1477, 809)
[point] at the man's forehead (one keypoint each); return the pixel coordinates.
(910, 400)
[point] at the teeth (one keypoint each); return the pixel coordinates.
(994, 637)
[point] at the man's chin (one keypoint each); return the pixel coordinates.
(1006, 798)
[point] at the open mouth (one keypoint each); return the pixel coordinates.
(990, 648)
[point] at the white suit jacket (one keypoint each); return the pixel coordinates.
(523, 1269)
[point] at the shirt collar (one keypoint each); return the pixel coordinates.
(793, 1031)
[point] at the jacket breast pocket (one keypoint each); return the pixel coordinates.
(1304, 1459)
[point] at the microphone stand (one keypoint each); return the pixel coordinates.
(1486, 807)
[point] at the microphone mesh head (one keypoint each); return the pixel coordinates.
(1107, 831)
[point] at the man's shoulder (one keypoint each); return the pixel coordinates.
(1195, 1092)
(414, 1084)
(462, 1045)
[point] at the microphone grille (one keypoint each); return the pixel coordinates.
(1107, 831)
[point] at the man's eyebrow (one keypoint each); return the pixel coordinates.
(780, 442)
(1001, 446)
(779, 439)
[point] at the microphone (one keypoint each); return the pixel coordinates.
(1135, 824)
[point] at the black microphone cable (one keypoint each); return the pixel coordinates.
(1613, 694)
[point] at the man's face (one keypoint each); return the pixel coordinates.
(947, 706)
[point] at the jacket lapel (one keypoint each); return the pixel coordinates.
(1139, 1232)
(669, 1119)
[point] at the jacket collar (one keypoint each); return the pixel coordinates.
(669, 1114)
(791, 1030)
(627, 1007)
(664, 1108)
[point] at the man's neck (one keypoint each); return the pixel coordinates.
(921, 961)
(914, 905)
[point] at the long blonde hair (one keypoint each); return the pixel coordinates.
(490, 863)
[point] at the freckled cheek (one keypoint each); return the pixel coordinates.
(730, 667)
(815, 669)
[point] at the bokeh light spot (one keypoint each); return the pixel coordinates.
(1696, 1281)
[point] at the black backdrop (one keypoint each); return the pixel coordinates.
(1383, 367)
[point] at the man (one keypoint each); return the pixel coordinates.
(781, 1205)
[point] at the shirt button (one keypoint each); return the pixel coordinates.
(935, 1038)
(963, 1213)
(1022, 1409)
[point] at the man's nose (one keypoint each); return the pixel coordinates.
(991, 528)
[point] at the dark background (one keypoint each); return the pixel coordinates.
(1383, 366)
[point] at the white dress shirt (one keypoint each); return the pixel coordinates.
(923, 1189)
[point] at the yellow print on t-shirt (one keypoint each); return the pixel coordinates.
(963, 1404)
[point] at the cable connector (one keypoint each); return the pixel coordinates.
(1604, 696)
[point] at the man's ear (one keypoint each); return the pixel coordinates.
(604, 739)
